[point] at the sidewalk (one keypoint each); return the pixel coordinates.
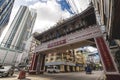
(102, 76)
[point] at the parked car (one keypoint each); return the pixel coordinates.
(53, 69)
(6, 71)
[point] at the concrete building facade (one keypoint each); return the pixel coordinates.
(5, 11)
(63, 60)
(67, 61)
(17, 36)
(20, 29)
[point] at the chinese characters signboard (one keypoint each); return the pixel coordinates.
(57, 43)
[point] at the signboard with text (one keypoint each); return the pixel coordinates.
(68, 39)
(60, 42)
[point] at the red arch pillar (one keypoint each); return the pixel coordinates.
(32, 69)
(37, 65)
(40, 64)
(108, 62)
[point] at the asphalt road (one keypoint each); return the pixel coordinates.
(60, 76)
(74, 76)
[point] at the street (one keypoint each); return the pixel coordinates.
(60, 76)
(59, 40)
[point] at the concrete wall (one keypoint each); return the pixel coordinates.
(9, 56)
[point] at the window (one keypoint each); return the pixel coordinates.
(64, 57)
(23, 46)
(46, 60)
(52, 54)
(70, 59)
(98, 7)
(58, 54)
(51, 59)
(47, 55)
(58, 58)
(50, 67)
(77, 51)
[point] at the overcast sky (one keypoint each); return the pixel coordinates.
(47, 13)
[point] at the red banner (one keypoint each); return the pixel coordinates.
(33, 58)
(105, 55)
(34, 62)
(57, 43)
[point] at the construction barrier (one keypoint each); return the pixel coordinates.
(22, 74)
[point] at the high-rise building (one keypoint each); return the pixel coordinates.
(5, 11)
(20, 29)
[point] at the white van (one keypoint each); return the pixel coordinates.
(53, 69)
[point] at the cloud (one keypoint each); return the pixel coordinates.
(79, 5)
(43, 25)
(48, 14)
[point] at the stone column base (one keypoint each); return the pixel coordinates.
(112, 76)
(32, 72)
